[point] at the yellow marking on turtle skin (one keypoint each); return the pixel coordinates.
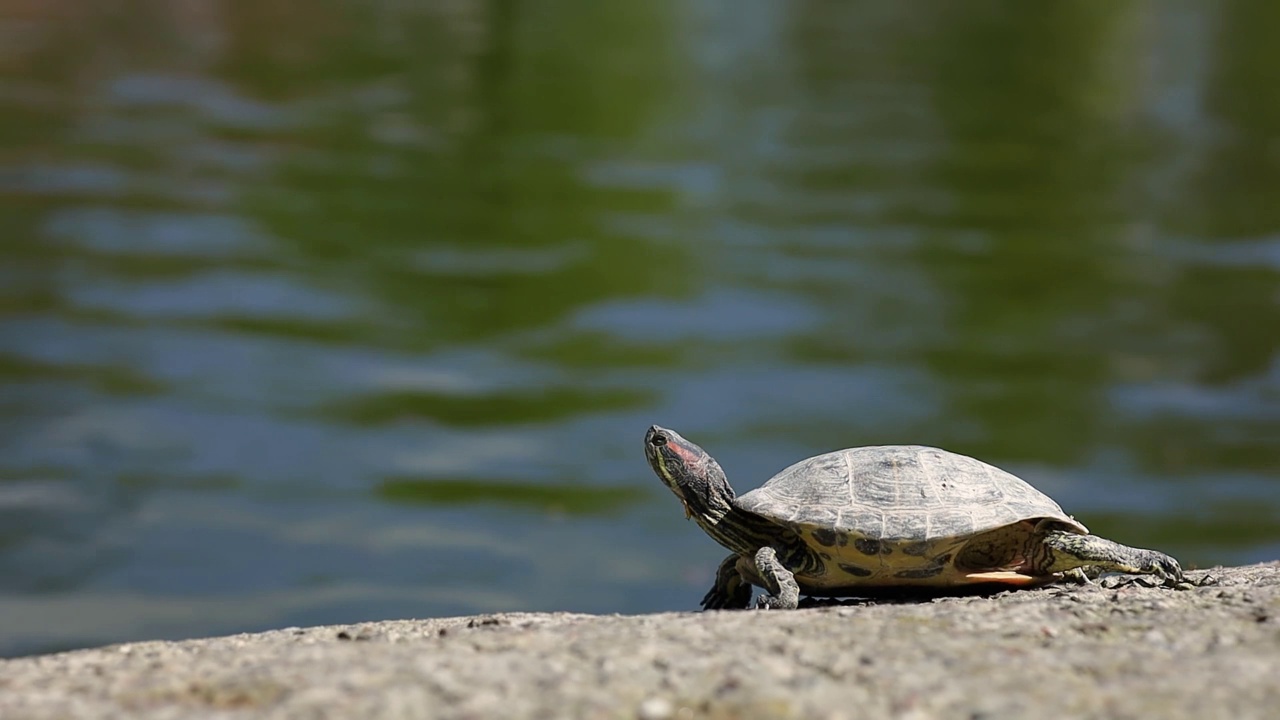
(668, 478)
(1006, 577)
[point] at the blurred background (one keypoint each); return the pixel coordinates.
(325, 311)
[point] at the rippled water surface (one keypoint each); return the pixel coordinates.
(330, 311)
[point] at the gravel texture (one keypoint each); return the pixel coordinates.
(1062, 651)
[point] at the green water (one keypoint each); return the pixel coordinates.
(332, 311)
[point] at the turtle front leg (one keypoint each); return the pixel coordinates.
(784, 592)
(1064, 551)
(731, 591)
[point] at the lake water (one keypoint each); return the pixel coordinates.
(328, 312)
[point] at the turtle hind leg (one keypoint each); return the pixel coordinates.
(1062, 551)
(784, 592)
(731, 591)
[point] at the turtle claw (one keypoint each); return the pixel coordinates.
(1165, 568)
(1204, 580)
(1116, 582)
(1078, 576)
(767, 602)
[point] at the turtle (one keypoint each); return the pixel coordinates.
(883, 517)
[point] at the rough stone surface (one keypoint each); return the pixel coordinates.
(1087, 652)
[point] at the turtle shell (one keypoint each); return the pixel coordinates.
(903, 514)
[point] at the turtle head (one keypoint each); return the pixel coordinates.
(689, 472)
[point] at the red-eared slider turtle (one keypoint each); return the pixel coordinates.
(881, 517)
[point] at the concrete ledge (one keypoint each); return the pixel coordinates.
(1133, 651)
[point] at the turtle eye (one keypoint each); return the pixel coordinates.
(658, 440)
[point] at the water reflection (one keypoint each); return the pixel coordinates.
(366, 319)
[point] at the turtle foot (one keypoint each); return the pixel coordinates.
(731, 591)
(770, 602)
(1163, 567)
(1116, 582)
(1179, 582)
(784, 592)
